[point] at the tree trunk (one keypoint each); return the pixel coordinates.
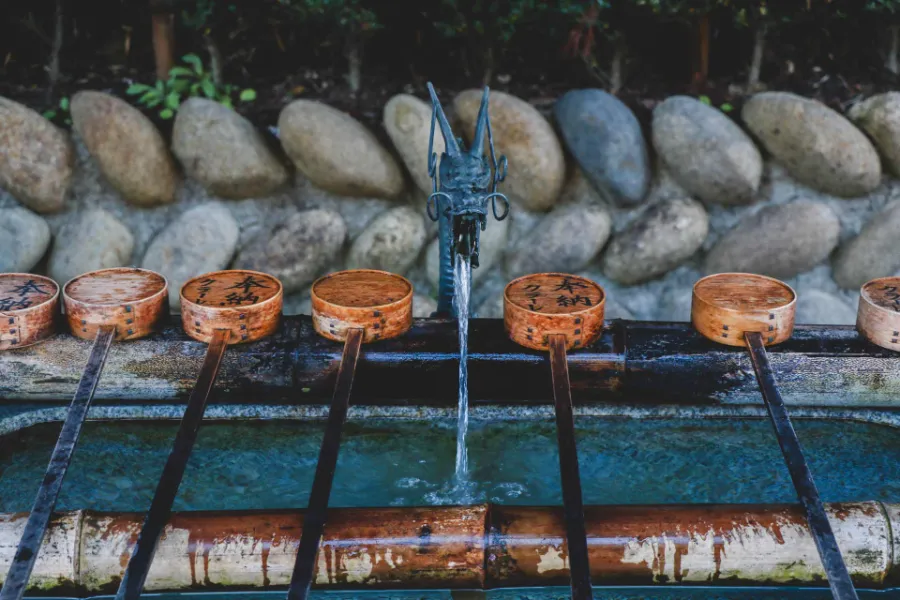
(891, 62)
(215, 59)
(53, 67)
(616, 74)
(701, 65)
(353, 52)
(163, 44)
(759, 43)
(487, 74)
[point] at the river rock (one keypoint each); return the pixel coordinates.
(24, 237)
(127, 147)
(873, 253)
(337, 152)
(89, 240)
(392, 242)
(224, 152)
(566, 240)
(296, 249)
(606, 140)
(408, 123)
(659, 240)
(423, 306)
(879, 116)
(706, 152)
(577, 190)
(491, 245)
(536, 164)
(815, 307)
(36, 158)
(357, 212)
(779, 241)
(818, 146)
(200, 240)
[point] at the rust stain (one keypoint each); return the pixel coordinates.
(264, 557)
(718, 553)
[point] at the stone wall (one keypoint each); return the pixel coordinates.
(791, 189)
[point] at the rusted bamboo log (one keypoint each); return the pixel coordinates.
(639, 362)
(473, 547)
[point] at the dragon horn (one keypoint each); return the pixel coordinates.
(452, 148)
(480, 126)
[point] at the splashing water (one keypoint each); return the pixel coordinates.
(462, 287)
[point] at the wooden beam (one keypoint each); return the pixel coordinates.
(636, 362)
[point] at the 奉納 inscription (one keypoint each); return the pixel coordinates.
(555, 293)
(22, 295)
(231, 289)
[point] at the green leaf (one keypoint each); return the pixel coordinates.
(160, 86)
(153, 101)
(726, 107)
(137, 88)
(226, 101)
(179, 85)
(705, 100)
(180, 72)
(194, 61)
(166, 113)
(248, 95)
(173, 99)
(50, 114)
(148, 96)
(64, 103)
(208, 88)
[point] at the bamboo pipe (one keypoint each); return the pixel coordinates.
(481, 547)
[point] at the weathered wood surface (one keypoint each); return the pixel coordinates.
(246, 303)
(543, 304)
(480, 546)
(378, 302)
(638, 362)
(29, 308)
(134, 301)
(725, 306)
(878, 316)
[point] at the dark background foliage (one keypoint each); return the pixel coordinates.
(357, 52)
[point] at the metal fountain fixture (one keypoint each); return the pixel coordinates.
(463, 185)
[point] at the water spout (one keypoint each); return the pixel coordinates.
(462, 283)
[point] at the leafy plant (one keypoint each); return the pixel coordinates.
(186, 82)
(725, 107)
(61, 112)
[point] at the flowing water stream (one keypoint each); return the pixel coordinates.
(462, 287)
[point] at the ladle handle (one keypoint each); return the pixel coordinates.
(316, 512)
(132, 583)
(835, 569)
(573, 506)
(30, 544)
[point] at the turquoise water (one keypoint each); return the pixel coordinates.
(270, 464)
